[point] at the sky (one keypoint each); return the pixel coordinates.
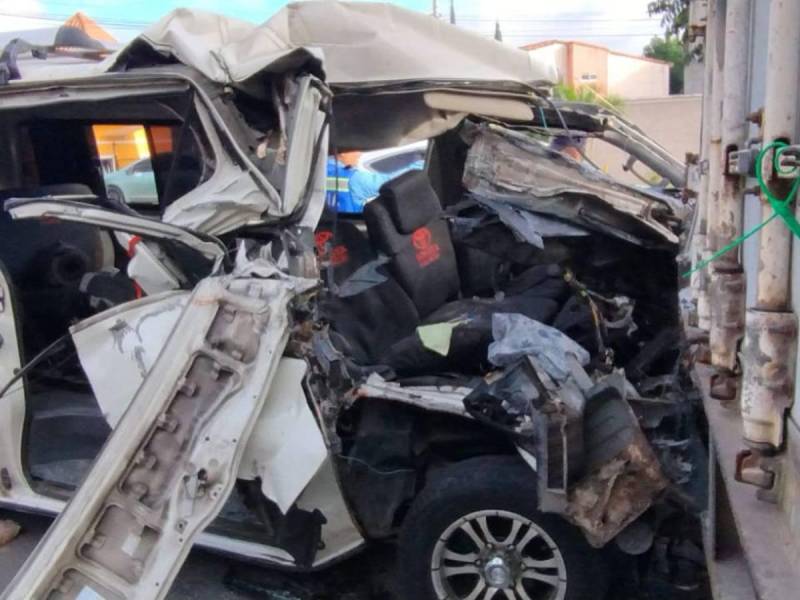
(619, 24)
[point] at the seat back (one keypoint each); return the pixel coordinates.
(406, 223)
(368, 321)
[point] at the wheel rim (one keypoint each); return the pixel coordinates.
(497, 554)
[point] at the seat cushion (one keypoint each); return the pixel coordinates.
(470, 339)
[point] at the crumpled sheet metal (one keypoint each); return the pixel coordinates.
(624, 476)
(517, 336)
(607, 501)
(511, 167)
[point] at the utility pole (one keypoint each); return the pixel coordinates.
(498, 35)
(452, 12)
(435, 10)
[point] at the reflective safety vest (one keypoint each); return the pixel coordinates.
(337, 187)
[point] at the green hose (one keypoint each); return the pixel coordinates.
(781, 206)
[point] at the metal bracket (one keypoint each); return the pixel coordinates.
(763, 472)
(742, 162)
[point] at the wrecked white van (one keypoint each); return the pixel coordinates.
(484, 366)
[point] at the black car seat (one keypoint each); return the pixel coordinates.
(366, 323)
(406, 223)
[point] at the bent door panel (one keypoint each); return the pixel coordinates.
(13, 484)
(171, 463)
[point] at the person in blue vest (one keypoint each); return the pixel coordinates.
(349, 188)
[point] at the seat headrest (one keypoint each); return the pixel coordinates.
(410, 200)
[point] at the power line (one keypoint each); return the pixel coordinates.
(62, 18)
(138, 25)
(534, 20)
(573, 34)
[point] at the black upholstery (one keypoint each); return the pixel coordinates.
(379, 325)
(368, 322)
(405, 222)
(343, 247)
(470, 339)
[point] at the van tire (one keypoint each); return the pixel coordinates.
(504, 487)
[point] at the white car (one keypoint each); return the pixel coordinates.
(393, 160)
(483, 370)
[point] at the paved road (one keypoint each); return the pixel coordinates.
(364, 577)
(201, 576)
(204, 573)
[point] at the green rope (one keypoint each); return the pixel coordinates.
(781, 206)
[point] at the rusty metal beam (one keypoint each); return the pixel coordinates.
(728, 284)
(701, 279)
(771, 329)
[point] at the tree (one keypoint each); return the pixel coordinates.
(586, 95)
(672, 50)
(674, 16)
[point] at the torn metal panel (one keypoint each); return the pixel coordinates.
(12, 403)
(516, 169)
(118, 347)
(624, 134)
(286, 449)
(544, 416)
(441, 399)
(168, 467)
(64, 209)
(232, 198)
(623, 475)
(340, 535)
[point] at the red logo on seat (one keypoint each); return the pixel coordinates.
(339, 255)
(425, 250)
(321, 239)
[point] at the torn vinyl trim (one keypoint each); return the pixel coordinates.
(66, 208)
(130, 525)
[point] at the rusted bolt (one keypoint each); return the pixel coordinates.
(756, 117)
